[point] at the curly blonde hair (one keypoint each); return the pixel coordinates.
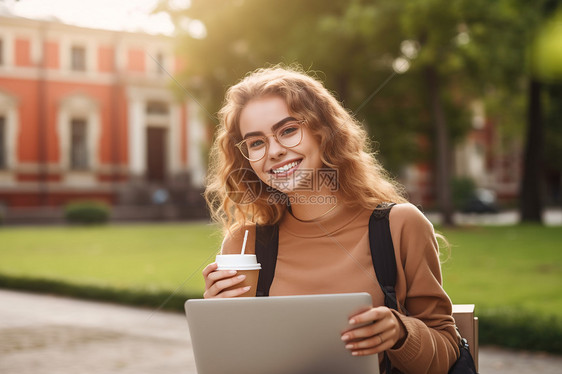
(343, 141)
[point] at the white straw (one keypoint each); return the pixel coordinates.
(244, 243)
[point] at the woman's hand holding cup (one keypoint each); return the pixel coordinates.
(220, 283)
(232, 276)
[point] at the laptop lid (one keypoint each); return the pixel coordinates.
(276, 335)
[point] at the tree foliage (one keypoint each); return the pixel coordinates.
(407, 69)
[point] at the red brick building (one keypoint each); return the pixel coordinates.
(91, 114)
(485, 156)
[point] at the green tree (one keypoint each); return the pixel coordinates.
(336, 39)
(544, 69)
(455, 52)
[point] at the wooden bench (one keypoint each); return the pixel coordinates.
(468, 327)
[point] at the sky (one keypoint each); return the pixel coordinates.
(125, 15)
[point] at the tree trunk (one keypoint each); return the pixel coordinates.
(530, 202)
(443, 154)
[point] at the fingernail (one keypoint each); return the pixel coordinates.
(247, 288)
(352, 321)
(345, 337)
(232, 272)
(355, 353)
(241, 276)
(349, 346)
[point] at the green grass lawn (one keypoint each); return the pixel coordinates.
(515, 267)
(511, 267)
(513, 274)
(134, 257)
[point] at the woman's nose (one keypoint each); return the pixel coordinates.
(275, 149)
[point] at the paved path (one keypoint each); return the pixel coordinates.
(42, 334)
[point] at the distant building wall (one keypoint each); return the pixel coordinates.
(87, 113)
(484, 156)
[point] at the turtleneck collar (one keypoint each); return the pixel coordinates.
(323, 226)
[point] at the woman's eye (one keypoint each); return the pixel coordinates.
(255, 143)
(288, 130)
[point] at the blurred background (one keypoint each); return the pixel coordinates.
(116, 103)
(108, 110)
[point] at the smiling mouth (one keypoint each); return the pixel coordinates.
(286, 168)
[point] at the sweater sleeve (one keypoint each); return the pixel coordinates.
(431, 345)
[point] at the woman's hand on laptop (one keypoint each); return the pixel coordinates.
(383, 331)
(216, 281)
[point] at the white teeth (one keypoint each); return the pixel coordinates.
(284, 168)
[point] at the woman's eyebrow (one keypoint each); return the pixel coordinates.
(273, 128)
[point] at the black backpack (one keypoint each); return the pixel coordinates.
(382, 249)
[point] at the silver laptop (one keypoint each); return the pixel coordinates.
(276, 335)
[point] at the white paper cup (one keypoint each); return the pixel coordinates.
(243, 264)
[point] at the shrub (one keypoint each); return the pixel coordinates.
(156, 299)
(518, 329)
(462, 189)
(87, 212)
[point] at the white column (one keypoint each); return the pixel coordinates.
(174, 138)
(92, 57)
(64, 53)
(13, 124)
(8, 41)
(195, 143)
(9, 110)
(63, 119)
(94, 139)
(137, 137)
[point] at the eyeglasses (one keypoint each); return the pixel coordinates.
(255, 147)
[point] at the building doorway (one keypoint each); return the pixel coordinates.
(156, 150)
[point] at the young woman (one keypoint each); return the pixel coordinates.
(288, 153)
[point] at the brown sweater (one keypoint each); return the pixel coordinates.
(332, 255)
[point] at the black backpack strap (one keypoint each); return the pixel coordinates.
(267, 241)
(384, 260)
(382, 253)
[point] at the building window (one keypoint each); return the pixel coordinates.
(78, 145)
(156, 107)
(3, 147)
(78, 58)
